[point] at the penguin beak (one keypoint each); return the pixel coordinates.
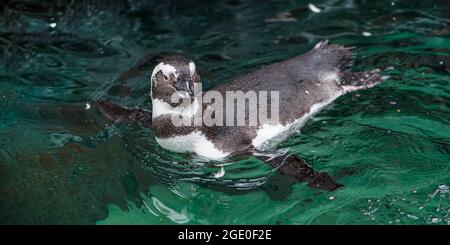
(186, 85)
(190, 88)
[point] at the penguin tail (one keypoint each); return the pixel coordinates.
(332, 55)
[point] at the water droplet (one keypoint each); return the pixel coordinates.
(52, 25)
(313, 8)
(443, 188)
(412, 216)
(393, 3)
(435, 220)
(87, 106)
(220, 174)
(366, 34)
(392, 102)
(331, 198)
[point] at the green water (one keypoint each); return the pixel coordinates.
(61, 163)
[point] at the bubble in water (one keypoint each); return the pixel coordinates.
(435, 220)
(313, 8)
(220, 174)
(443, 188)
(412, 216)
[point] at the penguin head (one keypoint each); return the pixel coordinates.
(174, 74)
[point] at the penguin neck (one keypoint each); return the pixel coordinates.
(160, 107)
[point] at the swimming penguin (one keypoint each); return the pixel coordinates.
(305, 84)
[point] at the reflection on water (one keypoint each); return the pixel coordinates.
(63, 162)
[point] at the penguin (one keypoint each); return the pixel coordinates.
(305, 84)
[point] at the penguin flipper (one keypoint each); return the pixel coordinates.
(295, 168)
(123, 114)
(328, 56)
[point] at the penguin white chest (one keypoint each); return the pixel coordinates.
(269, 136)
(195, 142)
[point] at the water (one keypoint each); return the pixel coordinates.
(62, 162)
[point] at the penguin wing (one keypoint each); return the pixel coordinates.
(120, 113)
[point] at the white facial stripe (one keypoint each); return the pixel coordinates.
(166, 69)
(191, 68)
